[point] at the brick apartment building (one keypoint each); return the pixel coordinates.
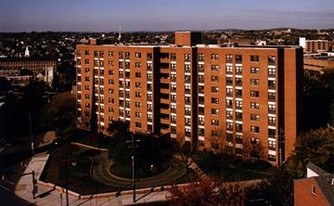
(220, 98)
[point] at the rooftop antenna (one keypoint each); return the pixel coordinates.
(119, 34)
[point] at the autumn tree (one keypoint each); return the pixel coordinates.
(206, 192)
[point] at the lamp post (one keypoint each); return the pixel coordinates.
(133, 145)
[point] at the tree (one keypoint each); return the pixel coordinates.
(206, 192)
(60, 111)
(316, 146)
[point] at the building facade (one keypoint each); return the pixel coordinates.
(220, 98)
(42, 68)
(314, 46)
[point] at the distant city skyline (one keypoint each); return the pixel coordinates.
(159, 15)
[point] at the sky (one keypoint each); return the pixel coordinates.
(163, 15)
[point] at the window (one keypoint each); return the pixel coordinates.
(229, 92)
(238, 82)
(138, 124)
(138, 114)
(137, 64)
(187, 79)
(187, 68)
(272, 108)
(201, 100)
(200, 57)
(201, 68)
(187, 111)
(214, 133)
(173, 67)
(215, 122)
(138, 55)
(214, 68)
(229, 125)
(272, 120)
(214, 100)
(214, 79)
(229, 58)
(110, 63)
(86, 61)
(272, 145)
(238, 70)
(138, 74)
(215, 111)
(271, 84)
(255, 141)
(187, 57)
(137, 104)
(149, 56)
(214, 89)
(229, 69)
(149, 77)
(271, 72)
(254, 93)
(187, 121)
(238, 116)
(111, 53)
(271, 96)
(173, 56)
(238, 93)
(238, 127)
(137, 84)
(271, 60)
(255, 105)
(271, 157)
(238, 59)
(229, 81)
(254, 70)
(138, 94)
(254, 58)
(254, 82)
(201, 121)
(255, 117)
(238, 104)
(214, 56)
(271, 133)
(229, 103)
(255, 129)
(229, 114)
(86, 52)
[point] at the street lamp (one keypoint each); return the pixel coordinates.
(133, 145)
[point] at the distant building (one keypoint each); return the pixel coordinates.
(314, 46)
(42, 68)
(216, 98)
(316, 189)
(316, 65)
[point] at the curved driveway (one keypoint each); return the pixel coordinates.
(100, 172)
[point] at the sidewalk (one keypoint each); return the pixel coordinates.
(48, 194)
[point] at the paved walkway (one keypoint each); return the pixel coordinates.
(47, 194)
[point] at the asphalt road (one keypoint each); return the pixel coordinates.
(100, 172)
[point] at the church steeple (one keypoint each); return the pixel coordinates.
(27, 52)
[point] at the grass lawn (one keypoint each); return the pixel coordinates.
(232, 169)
